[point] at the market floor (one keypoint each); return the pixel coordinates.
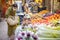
(3, 30)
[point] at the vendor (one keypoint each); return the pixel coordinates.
(20, 10)
(12, 19)
(27, 10)
(40, 7)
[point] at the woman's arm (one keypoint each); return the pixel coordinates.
(13, 21)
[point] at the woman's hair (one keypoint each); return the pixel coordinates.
(14, 5)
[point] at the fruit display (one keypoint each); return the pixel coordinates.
(43, 12)
(40, 27)
(39, 21)
(38, 18)
(39, 31)
(53, 17)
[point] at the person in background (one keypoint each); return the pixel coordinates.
(12, 20)
(28, 12)
(34, 8)
(40, 6)
(20, 10)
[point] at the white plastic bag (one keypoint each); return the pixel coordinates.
(13, 21)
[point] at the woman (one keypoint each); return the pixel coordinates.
(12, 20)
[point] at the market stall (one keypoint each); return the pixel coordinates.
(41, 27)
(38, 22)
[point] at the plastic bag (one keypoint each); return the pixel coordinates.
(13, 20)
